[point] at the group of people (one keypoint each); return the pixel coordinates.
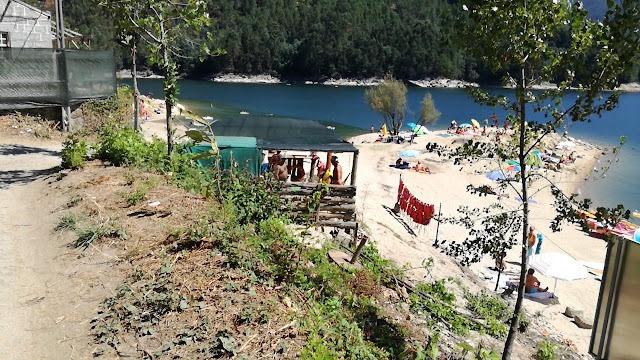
(325, 174)
(283, 170)
(419, 166)
(532, 284)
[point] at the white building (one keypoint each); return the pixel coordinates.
(24, 26)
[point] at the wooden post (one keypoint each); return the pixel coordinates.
(359, 249)
(329, 155)
(136, 93)
(438, 227)
(354, 167)
(355, 235)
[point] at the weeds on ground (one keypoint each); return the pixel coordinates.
(138, 194)
(69, 221)
(90, 234)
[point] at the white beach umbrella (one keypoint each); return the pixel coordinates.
(558, 266)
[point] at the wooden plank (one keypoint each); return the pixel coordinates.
(322, 215)
(325, 207)
(338, 224)
(340, 193)
(307, 185)
(337, 200)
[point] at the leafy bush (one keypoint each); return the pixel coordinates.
(122, 145)
(254, 198)
(74, 152)
(547, 350)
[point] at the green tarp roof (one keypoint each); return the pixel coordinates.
(275, 133)
(236, 142)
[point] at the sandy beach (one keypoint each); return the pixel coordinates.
(446, 186)
(154, 124)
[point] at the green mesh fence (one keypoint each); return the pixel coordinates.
(32, 78)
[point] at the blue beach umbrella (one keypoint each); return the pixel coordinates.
(465, 125)
(409, 153)
(496, 175)
(411, 125)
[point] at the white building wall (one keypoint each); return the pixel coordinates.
(27, 26)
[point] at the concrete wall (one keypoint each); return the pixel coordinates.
(27, 26)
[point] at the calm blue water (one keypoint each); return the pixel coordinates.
(345, 105)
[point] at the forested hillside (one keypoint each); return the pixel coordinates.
(318, 38)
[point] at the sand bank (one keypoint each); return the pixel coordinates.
(403, 242)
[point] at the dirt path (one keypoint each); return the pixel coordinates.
(46, 299)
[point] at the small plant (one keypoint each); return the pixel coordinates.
(524, 323)
(68, 221)
(89, 235)
(135, 196)
(546, 350)
(74, 152)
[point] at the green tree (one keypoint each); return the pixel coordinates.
(160, 25)
(513, 38)
(390, 101)
(428, 113)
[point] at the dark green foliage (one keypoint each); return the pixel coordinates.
(410, 38)
(74, 152)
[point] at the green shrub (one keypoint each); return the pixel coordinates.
(122, 145)
(547, 350)
(74, 152)
(255, 198)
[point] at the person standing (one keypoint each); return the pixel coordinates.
(336, 178)
(539, 246)
(265, 161)
(281, 172)
(531, 241)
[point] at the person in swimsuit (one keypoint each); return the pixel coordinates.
(532, 284)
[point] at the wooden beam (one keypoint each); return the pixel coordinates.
(354, 168)
(324, 200)
(338, 224)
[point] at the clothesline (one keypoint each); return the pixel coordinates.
(417, 210)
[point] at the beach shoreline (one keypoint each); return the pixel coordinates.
(426, 82)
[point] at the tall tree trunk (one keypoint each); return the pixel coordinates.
(515, 319)
(168, 96)
(136, 93)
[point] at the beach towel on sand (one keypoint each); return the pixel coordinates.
(539, 295)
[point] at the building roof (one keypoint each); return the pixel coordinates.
(275, 133)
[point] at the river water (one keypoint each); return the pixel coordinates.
(344, 108)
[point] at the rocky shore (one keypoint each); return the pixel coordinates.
(439, 82)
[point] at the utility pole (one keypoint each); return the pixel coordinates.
(66, 110)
